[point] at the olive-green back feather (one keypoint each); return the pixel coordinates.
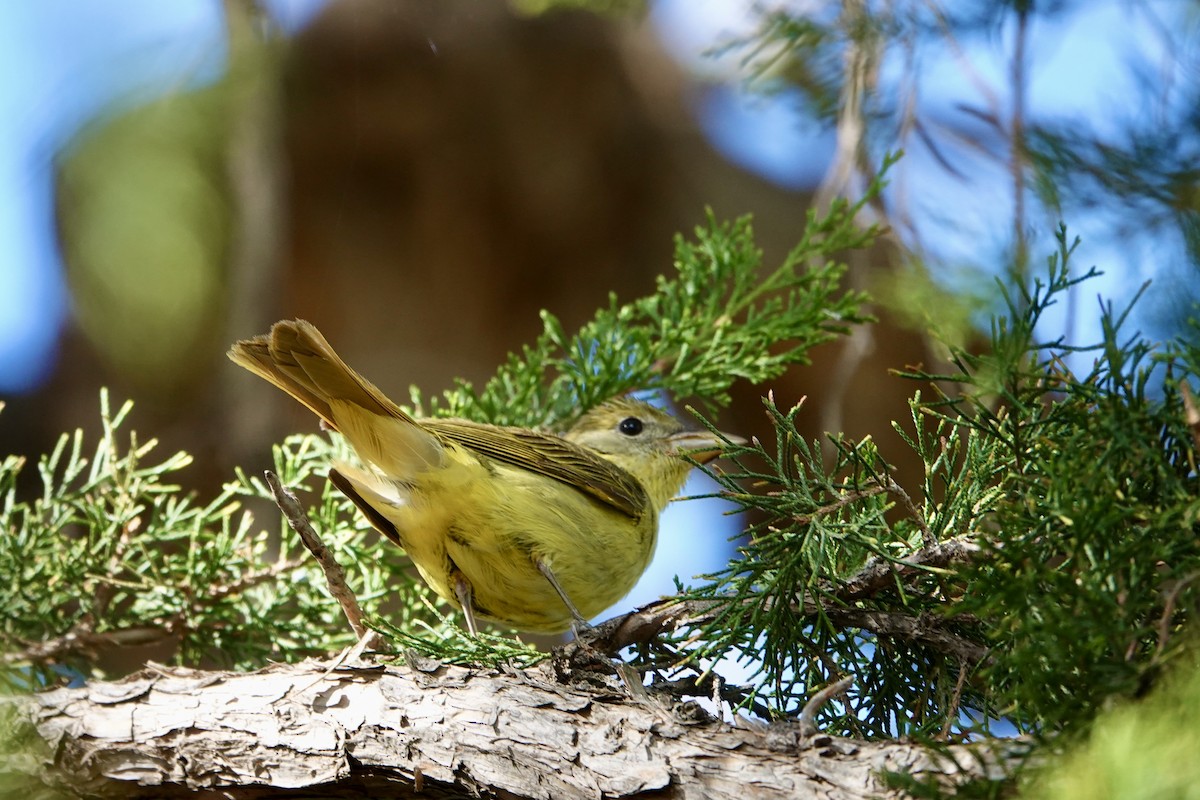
(550, 456)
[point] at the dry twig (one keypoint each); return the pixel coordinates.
(335, 576)
(808, 715)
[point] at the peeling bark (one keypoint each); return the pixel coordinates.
(293, 730)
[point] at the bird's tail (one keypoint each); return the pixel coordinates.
(295, 357)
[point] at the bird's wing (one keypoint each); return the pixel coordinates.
(551, 456)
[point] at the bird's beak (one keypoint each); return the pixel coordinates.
(702, 445)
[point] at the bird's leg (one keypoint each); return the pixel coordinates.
(583, 630)
(464, 593)
(579, 625)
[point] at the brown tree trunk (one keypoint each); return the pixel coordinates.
(443, 731)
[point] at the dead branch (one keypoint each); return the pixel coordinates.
(335, 576)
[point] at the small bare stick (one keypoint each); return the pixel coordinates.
(808, 716)
(335, 576)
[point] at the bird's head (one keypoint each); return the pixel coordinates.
(647, 442)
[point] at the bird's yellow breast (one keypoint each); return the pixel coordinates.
(492, 522)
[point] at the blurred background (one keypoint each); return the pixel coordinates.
(419, 178)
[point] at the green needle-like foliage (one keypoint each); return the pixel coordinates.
(1045, 561)
(113, 555)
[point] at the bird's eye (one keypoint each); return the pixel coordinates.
(630, 426)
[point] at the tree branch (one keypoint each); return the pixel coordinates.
(927, 629)
(644, 624)
(287, 729)
(83, 640)
(932, 630)
(880, 573)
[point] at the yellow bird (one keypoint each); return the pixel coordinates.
(522, 527)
